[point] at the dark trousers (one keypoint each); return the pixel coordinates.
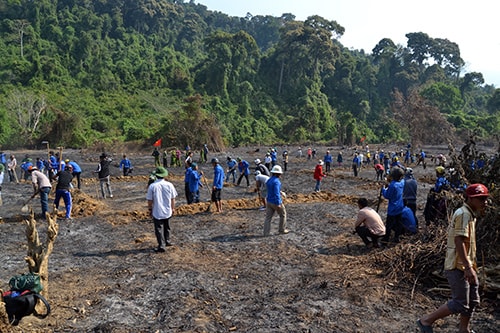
(393, 222)
(241, 177)
(162, 232)
(189, 196)
(126, 171)
(367, 236)
(78, 179)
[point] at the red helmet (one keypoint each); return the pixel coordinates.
(476, 190)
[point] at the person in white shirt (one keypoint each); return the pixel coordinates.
(161, 204)
(260, 185)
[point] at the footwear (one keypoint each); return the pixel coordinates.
(159, 250)
(284, 232)
(423, 328)
(168, 244)
(111, 195)
(262, 208)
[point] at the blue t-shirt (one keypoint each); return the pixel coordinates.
(194, 181)
(394, 193)
(273, 186)
(218, 177)
(243, 167)
(441, 183)
(76, 167)
(125, 163)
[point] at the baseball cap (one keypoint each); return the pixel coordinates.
(476, 190)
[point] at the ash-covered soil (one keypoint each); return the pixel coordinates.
(221, 275)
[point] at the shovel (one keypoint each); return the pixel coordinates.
(209, 194)
(25, 207)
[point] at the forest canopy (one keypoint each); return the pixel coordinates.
(78, 73)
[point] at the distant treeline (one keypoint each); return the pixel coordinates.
(81, 73)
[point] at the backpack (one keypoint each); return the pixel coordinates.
(21, 299)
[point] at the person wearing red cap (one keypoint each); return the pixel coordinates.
(460, 263)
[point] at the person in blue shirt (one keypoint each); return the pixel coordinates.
(421, 159)
(231, 169)
(40, 164)
(187, 175)
(3, 159)
(274, 157)
(340, 159)
(275, 202)
(194, 183)
(410, 192)
(77, 172)
(125, 166)
(407, 157)
(328, 159)
(25, 164)
(394, 193)
(381, 157)
(356, 164)
(244, 169)
(217, 185)
(441, 182)
(53, 165)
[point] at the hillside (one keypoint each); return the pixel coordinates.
(108, 72)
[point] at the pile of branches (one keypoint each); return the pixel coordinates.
(421, 257)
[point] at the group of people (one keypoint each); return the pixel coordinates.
(61, 174)
(161, 196)
(460, 264)
(400, 191)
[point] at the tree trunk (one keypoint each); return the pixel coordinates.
(38, 253)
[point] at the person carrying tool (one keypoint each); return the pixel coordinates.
(41, 185)
(260, 186)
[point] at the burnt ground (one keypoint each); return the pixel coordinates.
(221, 275)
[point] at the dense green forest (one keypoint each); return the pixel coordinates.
(80, 73)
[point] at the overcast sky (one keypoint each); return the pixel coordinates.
(473, 25)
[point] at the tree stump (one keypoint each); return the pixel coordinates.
(38, 252)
